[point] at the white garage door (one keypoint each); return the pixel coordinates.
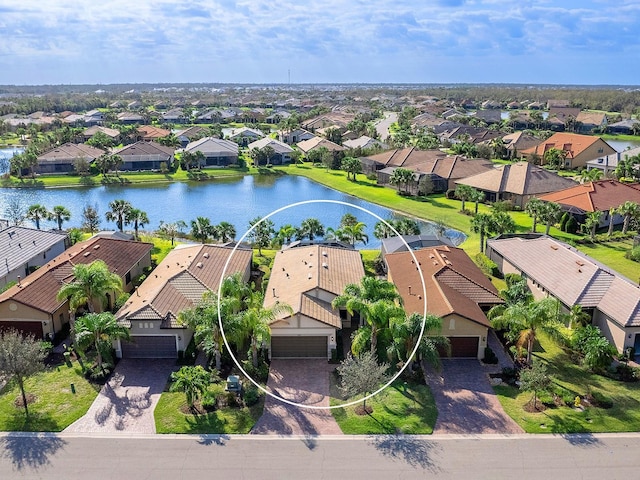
(154, 346)
(298, 347)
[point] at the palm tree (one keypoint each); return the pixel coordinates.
(99, 330)
(629, 210)
(90, 285)
(406, 334)
(382, 230)
(477, 196)
(481, 223)
(201, 229)
(464, 193)
(590, 175)
(355, 233)
(286, 233)
(36, 213)
(502, 222)
(118, 211)
(523, 321)
(534, 207)
(591, 223)
(138, 218)
(226, 232)
(116, 161)
(577, 317)
(612, 213)
(378, 317)
(311, 228)
(60, 214)
(193, 381)
(402, 177)
(550, 214)
(255, 320)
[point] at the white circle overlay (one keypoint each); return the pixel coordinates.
(353, 402)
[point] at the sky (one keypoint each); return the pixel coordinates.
(583, 42)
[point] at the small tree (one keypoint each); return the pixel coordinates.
(535, 379)
(262, 233)
(90, 218)
(361, 375)
(99, 330)
(193, 381)
(20, 357)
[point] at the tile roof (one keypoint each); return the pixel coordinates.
(297, 272)
(39, 289)
(572, 143)
(277, 145)
(317, 142)
(598, 196)
(144, 149)
(149, 131)
(520, 178)
(453, 283)
(110, 132)
(18, 245)
(180, 280)
(210, 146)
(69, 152)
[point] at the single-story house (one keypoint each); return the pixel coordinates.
(217, 152)
(608, 163)
(130, 118)
(175, 115)
(456, 291)
(518, 141)
(26, 249)
(282, 151)
(364, 142)
(112, 133)
(316, 142)
(148, 133)
(625, 127)
(415, 242)
(177, 283)
(63, 159)
(93, 117)
(190, 134)
(294, 136)
(243, 136)
(579, 149)
(145, 156)
(555, 269)
(31, 305)
(308, 278)
(516, 182)
(589, 121)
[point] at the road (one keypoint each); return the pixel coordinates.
(382, 126)
(76, 456)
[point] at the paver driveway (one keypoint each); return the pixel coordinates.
(465, 400)
(304, 381)
(126, 402)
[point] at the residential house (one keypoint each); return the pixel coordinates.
(578, 149)
(625, 127)
(145, 156)
(316, 142)
(175, 115)
(598, 196)
(31, 305)
(404, 243)
(516, 182)
(281, 151)
(466, 133)
(308, 278)
(365, 143)
(608, 163)
(244, 136)
(276, 117)
(93, 117)
(149, 133)
(190, 134)
(130, 118)
(294, 136)
(22, 250)
(63, 159)
(217, 152)
(518, 141)
(490, 117)
(111, 133)
(555, 269)
(561, 118)
(176, 284)
(587, 122)
(454, 289)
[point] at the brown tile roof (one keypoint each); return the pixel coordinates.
(453, 283)
(39, 289)
(69, 152)
(317, 142)
(151, 132)
(572, 143)
(591, 118)
(110, 132)
(598, 196)
(622, 303)
(298, 271)
(520, 178)
(145, 148)
(180, 280)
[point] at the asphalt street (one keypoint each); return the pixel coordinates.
(75, 456)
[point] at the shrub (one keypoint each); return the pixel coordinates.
(563, 221)
(208, 401)
(502, 206)
(451, 194)
(489, 356)
(372, 176)
(251, 396)
(487, 265)
(509, 375)
(571, 225)
(634, 254)
(625, 373)
(121, 300)
(260, 373)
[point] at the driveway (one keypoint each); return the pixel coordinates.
(465, 400)
(304, 381)
(127, 401)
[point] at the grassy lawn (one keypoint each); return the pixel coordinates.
(170, 419)
(368, 259)
(574, 380)
(55, 407)
(394, 411)
(161, 247)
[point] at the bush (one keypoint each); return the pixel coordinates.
(625, 373)
(209, 400)
(509, 375)
(372, 176)
(563, 221)
(251, 396)
(121, 300)
(487, 265)
(260, 373)
(502, 206)
(489, 356)
(451, 194)
(634, 254)
(571, 225)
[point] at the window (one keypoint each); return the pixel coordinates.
(127, 278)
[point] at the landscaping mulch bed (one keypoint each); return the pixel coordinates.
(360, 410)
(529, 407)
(31, 398)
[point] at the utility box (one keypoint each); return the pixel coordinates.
(234, 384)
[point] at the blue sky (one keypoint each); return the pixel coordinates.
(372, 41)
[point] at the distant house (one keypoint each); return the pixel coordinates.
(148, 133)
(294, 136)
(93, 117)
(489, 116)
(516, 182)
(308, 278)
(217, 152)
(589, 121)
(608, 163)
(63, 159)
(130, 118)
(625, 127)
(316, 142)
(598, 196)
(467, 133)
(111, 133)
(578, 149)
(22, 250)
(277, 117)
(414, 242)
(518, 141)
(177, 283)
(282, 151)
(244, 136)
(31, 305)
(456, 291)
(145, 156)
(175, 115)
(555, 269)
(189, 135)
(364, 142)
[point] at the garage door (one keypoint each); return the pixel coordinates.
(150, 347)
(464, 346)
(34, 328)
(297, 347)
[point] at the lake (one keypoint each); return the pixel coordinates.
(5, 156)
(234, 200)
